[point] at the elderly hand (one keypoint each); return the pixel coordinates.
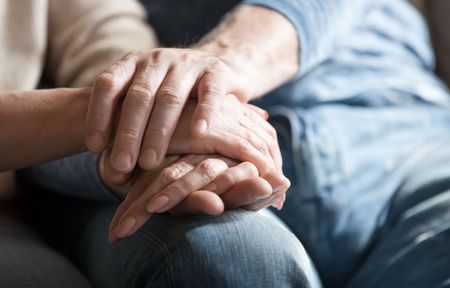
(241, 132)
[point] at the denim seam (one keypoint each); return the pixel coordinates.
(294, 142)
(166, 253)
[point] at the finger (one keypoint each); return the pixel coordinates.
(231, 176)
(277, 181)
(135, 112)
(276, 200)
(258, 137)
(143, 180)
(106, 92)
(135, 215)
(273, 145)
(169, 104)
(111, 175)
(263, 128)
(279, 184)
(174, 193)
(263, 113)
(199, 203)
(237, 147)
(246, 192)
(212, 89)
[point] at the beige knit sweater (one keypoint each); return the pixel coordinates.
(68, 41)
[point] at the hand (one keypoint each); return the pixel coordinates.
(176, 190)
(241, 132)
(154, 87)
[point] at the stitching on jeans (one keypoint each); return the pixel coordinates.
(163, 248)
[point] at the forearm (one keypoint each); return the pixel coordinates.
(321, 26)
(284, 39)
(41, 125)
(259, 42)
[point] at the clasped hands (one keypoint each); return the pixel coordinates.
(178, 136)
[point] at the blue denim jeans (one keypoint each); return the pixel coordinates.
(237, 249)
(370, 195)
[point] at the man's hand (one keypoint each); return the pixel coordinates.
(241, 132)
(197, 184)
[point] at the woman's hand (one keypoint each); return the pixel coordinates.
(197, 184)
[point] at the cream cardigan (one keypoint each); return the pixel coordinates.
(71, 41)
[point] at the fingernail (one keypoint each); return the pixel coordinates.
(149, 157)
(279, 205)
(157, 205)
(121, 161)
(125, 227)
(95, 141)
(201, 126)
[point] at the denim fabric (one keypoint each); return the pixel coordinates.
(237, 249)
(412, 249)
(347, 166)
(76, 176)
(26, 261)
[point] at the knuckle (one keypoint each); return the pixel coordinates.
(211, 88)
(171, 96)
(208, 168)
(262, 146)
(170, 174)
(106, 80)
(243, 146)
(227, 179)
(159, 54)
(141, 95)
(250, 168)
(96, 117)
(160, 133)
(128, 133)
(188, 57)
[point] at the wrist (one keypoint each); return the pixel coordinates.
(265, 55)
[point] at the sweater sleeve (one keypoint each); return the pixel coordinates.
(321, 25)
(86, 37)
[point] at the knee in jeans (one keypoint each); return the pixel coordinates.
(237, 249)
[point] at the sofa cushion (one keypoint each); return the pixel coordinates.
(438, 14)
